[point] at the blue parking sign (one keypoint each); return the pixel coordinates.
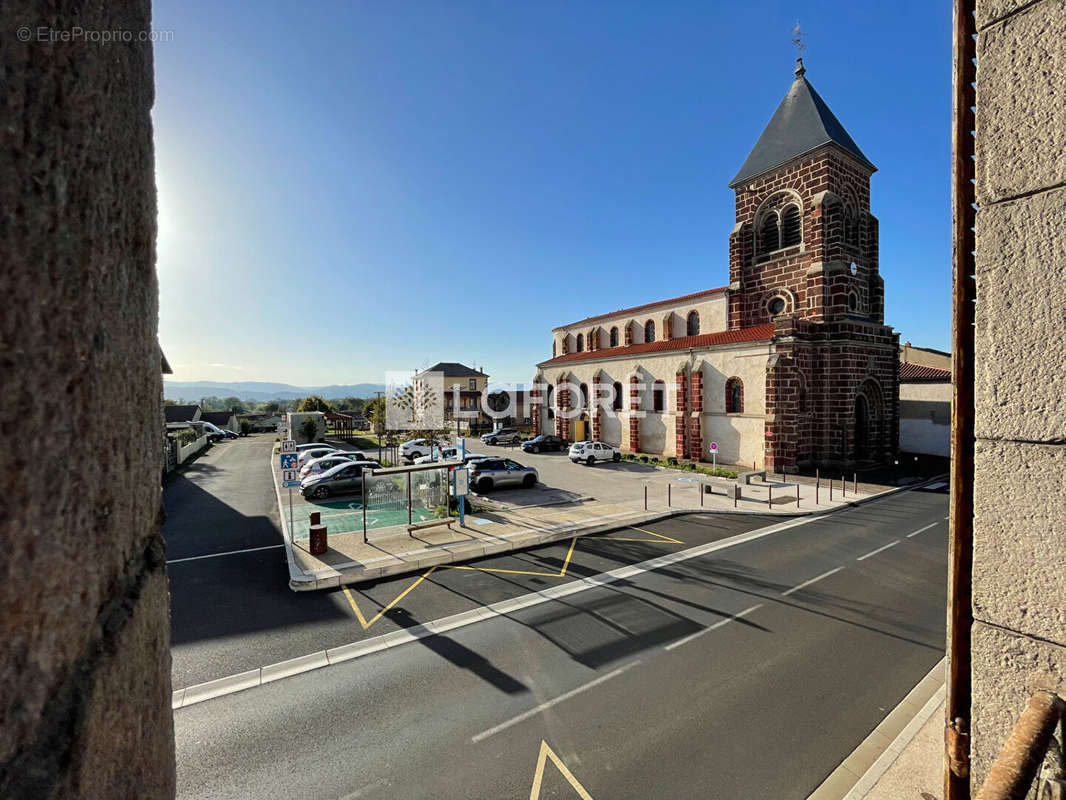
(288, 460)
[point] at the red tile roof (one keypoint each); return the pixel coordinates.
(685, 298)
(756, 333)
(920, 372)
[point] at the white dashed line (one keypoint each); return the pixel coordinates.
(228, 553)
(922, 530)
(714, 627)
(545, 706)
(878, 550)
(805, 584)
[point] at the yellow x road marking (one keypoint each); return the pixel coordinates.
(538, 776)
(359, 614)
(559, 574)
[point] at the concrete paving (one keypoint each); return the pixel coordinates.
(571, 499)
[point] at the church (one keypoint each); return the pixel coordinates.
(788, 366)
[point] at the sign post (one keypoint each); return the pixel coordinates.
(714, 456)
(290, 476)
(460, 487)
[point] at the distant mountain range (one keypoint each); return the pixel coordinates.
(260, 390)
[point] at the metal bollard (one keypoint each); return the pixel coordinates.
(645, 497)
(843, 487)
(669, 487)
(769, 496)
(797, 494)
(856, 484)
(830, 490)
(318, 543)
(736, 494)
(703, 491)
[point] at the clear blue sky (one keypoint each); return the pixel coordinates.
(347, 188)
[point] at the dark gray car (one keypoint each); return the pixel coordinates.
(341, 479)
(492, 473)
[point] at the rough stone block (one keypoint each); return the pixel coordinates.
(1021, 368)
(1019, 570)
(1021, 135)
(1007, 669)
(991, 11)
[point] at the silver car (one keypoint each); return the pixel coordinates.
(341, 479)
(491, 473)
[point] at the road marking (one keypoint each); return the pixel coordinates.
(561, 573)
(538, 776)
(879, 550)
(546, 705)
(658, 536)
(805, 584)
(380, 614)
(938, 485)
(714, 627)
(921, 530)
(227, 553)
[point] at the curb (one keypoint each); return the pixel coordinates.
(198, 693)
(300, 581)
(856, 775)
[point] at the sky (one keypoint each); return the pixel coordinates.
(354, 187)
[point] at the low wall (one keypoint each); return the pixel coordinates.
(187, 450)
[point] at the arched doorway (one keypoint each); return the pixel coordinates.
(862, 427)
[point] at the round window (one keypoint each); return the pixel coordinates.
(777, 305)
(854, 268)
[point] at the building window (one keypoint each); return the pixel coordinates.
(473, 384)
(616, 402)
(584, 395)
(580, 342)
(658, 396)
(853, 301)
(851, 226)
(791, 226)
(553, 348)
(693, 324)
(734, 396)
(769, 234)
(777, 305)
(550, 401)
(649, 331)
(614, 337)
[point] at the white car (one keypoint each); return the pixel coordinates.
(591, 452)
(317, 465)
(416, 448)
(311, 445)
(439, 454)
(318, 452)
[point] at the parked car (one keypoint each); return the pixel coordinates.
(439, 454)
(327, 462)
(544, 443)
(229, 434)
(492, 473)
(502, 436)
(318, 452)
(416, 448)
(214, 433)
(591, 452)
(312, 445)
(341, 479)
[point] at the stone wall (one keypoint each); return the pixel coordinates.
(85, 661)
(1019, 635)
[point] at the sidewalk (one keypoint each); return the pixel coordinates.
(902, 758)
(515, 521)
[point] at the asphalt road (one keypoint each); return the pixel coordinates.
(649, 687)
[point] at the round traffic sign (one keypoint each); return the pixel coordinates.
(714, 446)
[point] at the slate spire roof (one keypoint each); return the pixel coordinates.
(802, 123)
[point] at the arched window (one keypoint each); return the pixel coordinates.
(550, 399)
(553, 348)
(584, 395)
(734, 396)
(769, 235)
(853, 301)
(614, 337)
(693, 323)
(649, 331)
(616, 402)
(851, 225)
(658, 396)
(580, 342)
(791, 226)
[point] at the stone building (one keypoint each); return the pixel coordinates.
(924, 401)
(791, 364)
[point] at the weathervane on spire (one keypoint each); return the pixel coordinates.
(797, 41)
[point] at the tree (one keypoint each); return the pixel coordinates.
(309, 429)
(375, 412)
(246, 427)
(271, 407)
(314, 403)
(233, 404)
